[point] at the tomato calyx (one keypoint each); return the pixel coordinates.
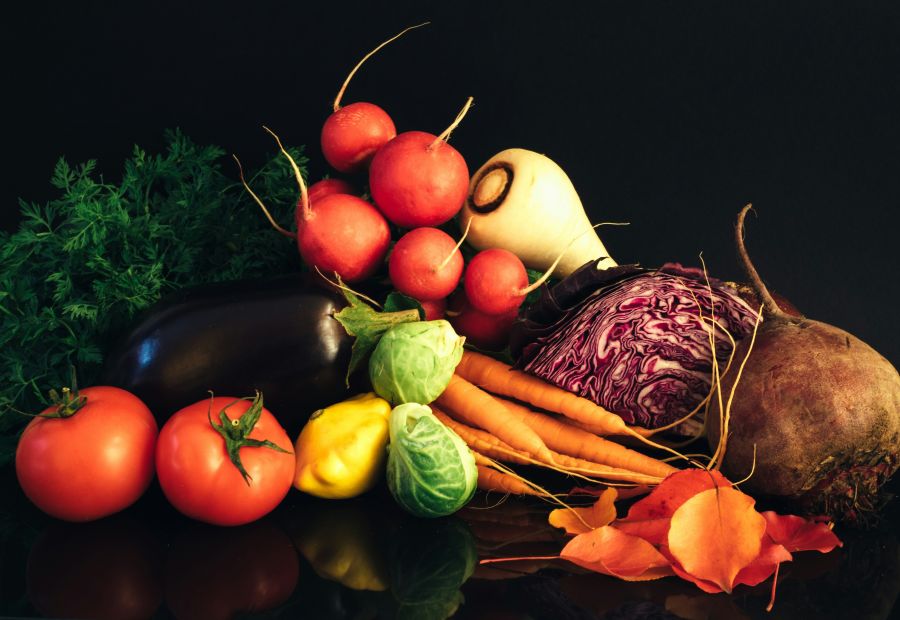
(67, 404)
(235, 432)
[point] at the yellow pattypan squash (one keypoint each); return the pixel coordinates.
(341, 450)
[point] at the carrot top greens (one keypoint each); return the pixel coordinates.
(81, 266)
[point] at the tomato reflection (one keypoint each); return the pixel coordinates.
(103, 569)
(215, 572)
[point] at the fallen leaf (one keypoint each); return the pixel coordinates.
(624, 492)
(799, 534)
(707, 586)
(771, 554)
(612, 552)
(583, 520)
(715, 534)
(649, 518)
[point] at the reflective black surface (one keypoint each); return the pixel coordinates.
(365, 558)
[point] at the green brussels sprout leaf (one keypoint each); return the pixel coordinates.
(430, 470)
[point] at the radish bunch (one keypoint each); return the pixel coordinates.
(417, 182)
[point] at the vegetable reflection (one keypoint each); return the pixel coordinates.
(214, 572)
(429, 562)
(343, 542)
(104, 569)
(390, 565)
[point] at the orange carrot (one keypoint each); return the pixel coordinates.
(499, 378)
(490, 479)
(488, 445)
(481, 441)
(567, 439)
(478, 408)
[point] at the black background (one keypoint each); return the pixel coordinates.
(668, 115)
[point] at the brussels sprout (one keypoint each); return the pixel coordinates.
(430, 470)
(413, 362)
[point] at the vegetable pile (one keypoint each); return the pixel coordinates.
(420, 353)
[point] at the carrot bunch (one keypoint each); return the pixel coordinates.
(507, 417)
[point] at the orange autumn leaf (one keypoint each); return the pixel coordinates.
(715, 534)
(582, 520)
(649, 517)
(799, 534)
(613, 552)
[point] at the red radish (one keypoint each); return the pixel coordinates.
(496, 281)
(344, 234)
(352, 134)
(340, 233)
(434, 309)
(325, 187)
(426, 264)
(485, 331)
(418, 179)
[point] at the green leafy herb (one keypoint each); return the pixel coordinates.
(80, 267)
(367, 325)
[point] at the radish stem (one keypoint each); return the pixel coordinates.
(337, 100)
(259, 201)
(456, 248)
(445, 135)
(340, 285)
(537, 283)
(304, 197)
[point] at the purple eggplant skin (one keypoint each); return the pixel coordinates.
(277, 336)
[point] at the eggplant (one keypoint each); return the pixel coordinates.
(277, 336)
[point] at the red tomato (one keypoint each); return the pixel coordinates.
(200, 480)
(213, 575)
(92, 463)
(106, 569)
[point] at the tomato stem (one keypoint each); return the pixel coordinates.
(236, 431)
(68, 402)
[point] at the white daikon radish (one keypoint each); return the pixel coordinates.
(524, 202)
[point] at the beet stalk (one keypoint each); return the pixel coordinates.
(821, 407)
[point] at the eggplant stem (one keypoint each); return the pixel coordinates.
(769, 303)
(337, 100)
(445, 135)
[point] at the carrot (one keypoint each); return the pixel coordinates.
(481, 441)
(490, 479)
(488, 445)
(571, 440)
(478, 408)
(499, 378)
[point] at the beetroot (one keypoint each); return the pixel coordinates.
(821, 407)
